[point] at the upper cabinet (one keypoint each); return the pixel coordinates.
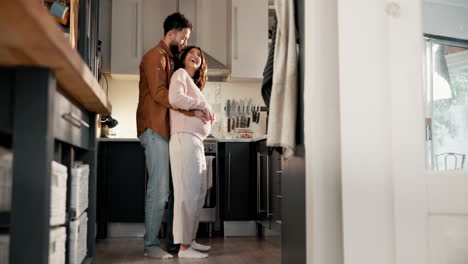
(154, 14)
(249, 38)
(210, 26)
(127, 36)
(233, 33)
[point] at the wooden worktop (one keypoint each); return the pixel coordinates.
(29, 36)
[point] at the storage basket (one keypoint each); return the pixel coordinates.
(58, 194)
(6, 164)
(78, 239)
(4, 248)
(57, 239)
(79, 189)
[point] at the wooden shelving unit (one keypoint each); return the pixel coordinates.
(73, 22)
(31, 37)
(37, 67)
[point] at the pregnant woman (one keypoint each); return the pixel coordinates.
(186, 150)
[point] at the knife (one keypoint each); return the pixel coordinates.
(257, 119)
(228, 115)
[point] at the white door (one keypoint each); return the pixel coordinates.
(429, 102)
(401, 109)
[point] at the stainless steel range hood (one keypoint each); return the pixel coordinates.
(217, 71)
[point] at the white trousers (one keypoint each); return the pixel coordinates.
(188, 167)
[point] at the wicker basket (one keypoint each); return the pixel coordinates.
(6, 162)
(58, 194)
(77, 240)
(79, 189)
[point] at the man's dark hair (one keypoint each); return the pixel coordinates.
(176, 21)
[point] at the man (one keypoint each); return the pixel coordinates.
(156, 69)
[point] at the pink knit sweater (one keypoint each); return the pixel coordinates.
(184, 94)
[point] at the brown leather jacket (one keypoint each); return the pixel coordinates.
(156, 69)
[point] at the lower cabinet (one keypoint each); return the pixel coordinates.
(237, 178)
(250, 174)
(276, 196)
(121, 183)
(269, 194)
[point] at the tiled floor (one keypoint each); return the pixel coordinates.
(237, 250)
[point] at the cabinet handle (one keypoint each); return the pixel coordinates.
(236, 34)
(268, 186)
(75, 120)
(258, 183)
(229, 183)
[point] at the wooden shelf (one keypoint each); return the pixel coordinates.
(31, 37)
(73, 23)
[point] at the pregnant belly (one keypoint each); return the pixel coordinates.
(202, 129)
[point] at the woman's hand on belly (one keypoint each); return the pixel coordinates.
(202, 115)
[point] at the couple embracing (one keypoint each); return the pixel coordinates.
(173, 119)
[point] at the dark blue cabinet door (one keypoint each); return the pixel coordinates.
(239, 182)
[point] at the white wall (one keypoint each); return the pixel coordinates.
(446, 18)
(365, 132)
(123, 94)
(322, 134)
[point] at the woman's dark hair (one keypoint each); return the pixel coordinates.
(176, 21)
(200, 75)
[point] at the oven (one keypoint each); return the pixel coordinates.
(210, 211)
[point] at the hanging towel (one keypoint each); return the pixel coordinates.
(209, 171)
(283, 102)
(268, 71)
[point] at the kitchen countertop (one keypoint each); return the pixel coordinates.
(208, 139)
(118, 139)
(241, 139)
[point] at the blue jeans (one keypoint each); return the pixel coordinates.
(159, 188)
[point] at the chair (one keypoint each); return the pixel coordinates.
(457, 161)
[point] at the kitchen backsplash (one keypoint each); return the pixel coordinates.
(123, 94)
(217, 95)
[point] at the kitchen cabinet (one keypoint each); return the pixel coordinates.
(249, 38)
(121, 183)
(269, 193)
(210, 26)
(237, 176)
(139, 24)
(154, 14)
(105, 27)
(234, 32)
(276, 197)
(127, 36)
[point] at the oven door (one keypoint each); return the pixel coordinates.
(211, 194)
